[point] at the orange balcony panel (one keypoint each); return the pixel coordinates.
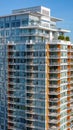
(59, 103)
(68, 104)
(69, 86)
(47, 54)
(68, 98)
(69, 79)
(47, 46)
(47, 76)
(58, 75)
(59, 82)
(68, 129)
(58, 110)
(58, 124)
(68, 92)
(69, 47)
(59, 46)
(47, 126)
(59, 60)
(59, 96)
(68, 111)
(68, 60)
(68, 118)
(68, 124)
(59, 54)
(59, 68)
(69, 67)
(69, 72)
(58, 89)
(58, 118)
(69, 53)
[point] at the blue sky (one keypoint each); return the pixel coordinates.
(59, 8)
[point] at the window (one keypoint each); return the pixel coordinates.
(6, 25)
(25, 22)
(13, 24)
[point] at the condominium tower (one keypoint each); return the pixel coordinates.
(36, 70)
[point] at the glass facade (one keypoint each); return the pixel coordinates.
(26, 86)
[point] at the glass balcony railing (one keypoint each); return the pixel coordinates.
(54, 56)
(53, 107)
(53, 78)
(55, 121)
(54, 64)
(53, 86)
(53, 93)
(54, 114)
(53, 128)
(53, 99)
(54, 49)
(35, 24)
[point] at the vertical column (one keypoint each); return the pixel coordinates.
(68, 87)
(58, 89)
(47, 89)
(71, 101)
(10, 111)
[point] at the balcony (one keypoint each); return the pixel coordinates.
(54, 114)
(54, 49)
(29, 112)
(55, 121)
(30, 104)
(54, 64)
(53, 93)
(53, 86)
(53, 78)
(10, 127)
(35, 24)
(30, 91)
(30, 125)
(30, 118)
(54, 70)
(53, 99)
(53, 57)
(71, 100)
(71, 106)
(53, 128)
(54, 107)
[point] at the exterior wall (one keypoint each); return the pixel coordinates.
(26, 86)
(16, 87)
(47, 79)
(3, 87)
(35, 81)
(71, 117)
(47, 89)
(59, 85)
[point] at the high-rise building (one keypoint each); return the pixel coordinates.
(36, 69)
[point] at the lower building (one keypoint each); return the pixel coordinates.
(39, 86)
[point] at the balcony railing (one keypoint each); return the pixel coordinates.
(54, 49)
(54, 114)
(53, 99)
(53, 78)
(53, 86)
(53, 128)
(53, 93)
(54, 64)
(53, 107)
(53, 121)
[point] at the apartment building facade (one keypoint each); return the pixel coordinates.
(36, 72)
